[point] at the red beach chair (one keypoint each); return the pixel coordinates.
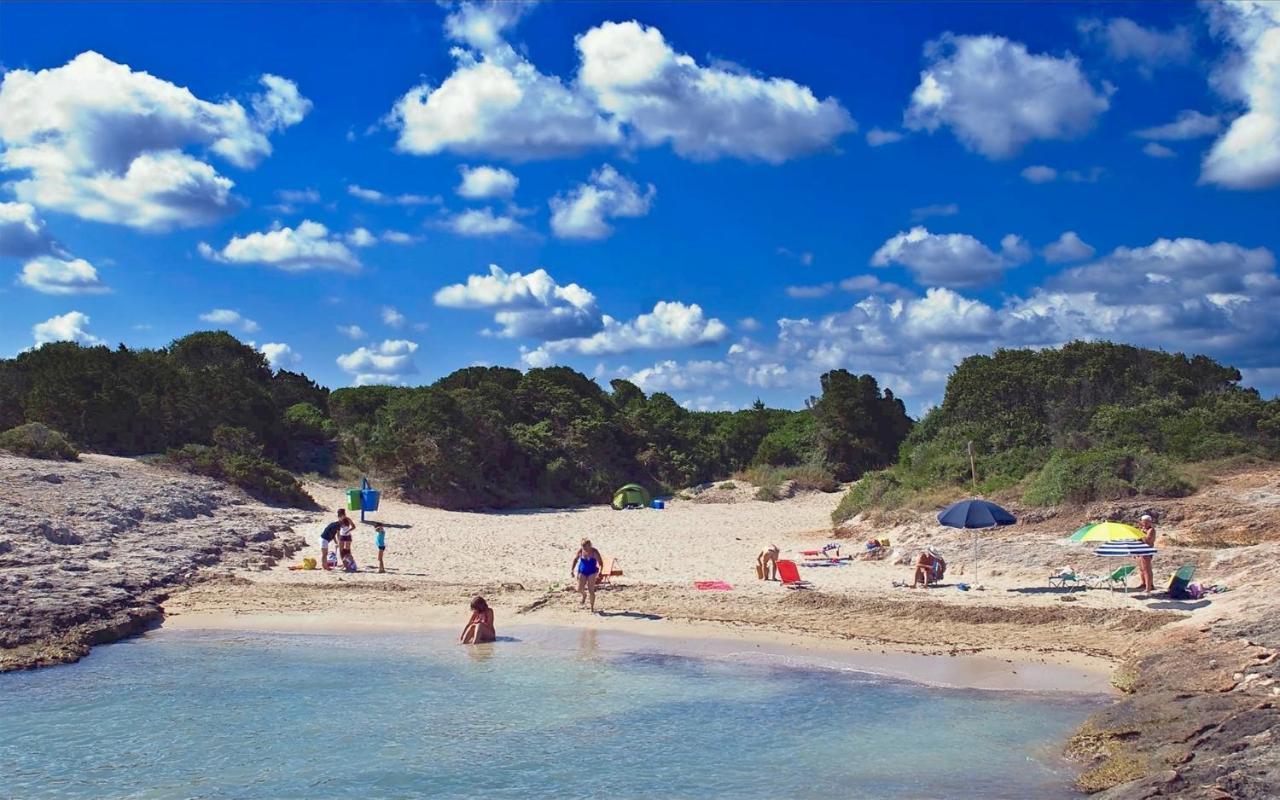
(789, 574)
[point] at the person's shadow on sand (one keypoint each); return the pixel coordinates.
(1178, 605)
(629, 615)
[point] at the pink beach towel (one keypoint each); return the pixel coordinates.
(712, 586)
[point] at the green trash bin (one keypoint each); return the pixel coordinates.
(353, 499)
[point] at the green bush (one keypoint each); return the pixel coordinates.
(1103, 474)
(258, 477)
(811, 478)
(34, 440)
(876, 490)
(768, 494)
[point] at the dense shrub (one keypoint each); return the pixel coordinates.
(34, 440)
(237, 459)
(804, 478)
(1103, 474)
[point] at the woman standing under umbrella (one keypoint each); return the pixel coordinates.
(1148, 527)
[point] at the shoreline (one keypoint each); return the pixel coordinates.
(995, 669)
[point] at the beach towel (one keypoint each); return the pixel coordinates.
(711, 586)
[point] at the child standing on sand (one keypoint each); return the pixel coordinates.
(380, 539)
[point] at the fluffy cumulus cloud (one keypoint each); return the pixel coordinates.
(309, 246)
(631, 87)
(72, 326)
(1068, 247)
(477, 222)
(671, 376)
(99, 140)
(529, 306)
(392, 318)
(1209, 297)
(950, 259)
(23, 233)
(280, 355)
(479, 183)
(352, 332)
(670, 325)
(388, 362)
(1148, 48)
(1247, 155)
(56, 275)
(996, 96)
(230, 319)
(703, 112)
(583, 212)
(1188, 124)
(361, 237)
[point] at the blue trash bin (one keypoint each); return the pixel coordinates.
(658, 504)
(369, 499)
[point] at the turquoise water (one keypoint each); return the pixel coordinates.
(236, 715)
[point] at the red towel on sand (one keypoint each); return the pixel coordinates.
(713, 586)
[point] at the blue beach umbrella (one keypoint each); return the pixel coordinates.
(1125, 548)
(974, 514)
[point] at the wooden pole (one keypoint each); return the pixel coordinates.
(973, 467)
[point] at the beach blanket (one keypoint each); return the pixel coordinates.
(711, 586)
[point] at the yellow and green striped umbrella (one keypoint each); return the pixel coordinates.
(1106, 532)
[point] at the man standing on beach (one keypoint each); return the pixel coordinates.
(1148, 527)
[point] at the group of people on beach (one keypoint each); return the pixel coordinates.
(343, 530)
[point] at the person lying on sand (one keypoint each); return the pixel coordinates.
(480, 627)
(586, 568)
(332, 531)
(767, 563)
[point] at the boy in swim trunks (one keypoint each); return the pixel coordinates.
(380, 539)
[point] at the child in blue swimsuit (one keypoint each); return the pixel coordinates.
(380, 539)
(586, 568)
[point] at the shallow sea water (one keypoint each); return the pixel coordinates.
(252, 715)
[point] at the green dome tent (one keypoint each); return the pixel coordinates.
(632, 494)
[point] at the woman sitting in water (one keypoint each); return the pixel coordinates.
(480, 627)
(586, 568)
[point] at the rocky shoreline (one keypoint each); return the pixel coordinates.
(93, 548)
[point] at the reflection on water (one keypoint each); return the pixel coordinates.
(249, 715)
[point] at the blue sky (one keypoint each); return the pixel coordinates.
(720, 201)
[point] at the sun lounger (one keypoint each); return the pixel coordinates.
(789, 574)
(1118, 578)
(1068, 577)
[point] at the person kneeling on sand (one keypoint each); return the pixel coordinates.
(586, 568)
(767, 563)
(480, 627)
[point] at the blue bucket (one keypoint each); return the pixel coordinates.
(658, 504)
(369, 499)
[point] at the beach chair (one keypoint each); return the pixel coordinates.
(1179, 581)
(789, 574)
(611, 570)
(1068, 577)
(1118, 578)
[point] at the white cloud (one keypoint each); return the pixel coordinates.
(482, 25)
(482, 222)
(878, 138)
(352, 331)
(382, 198)
(936, 210)
(870, 284)
(280, 355)
(1188, 124)
(306, 247)
(749, 324)
(360, 237)
(703, 112)
(22, 233)
(811, 292)
(98, 140)
(1039, 173)
(393, 318)
(298, 196)
(399, 237)
(582, 213)
(1068, 247)
(1126, 40)
(479, 183)
(951, 259)
(386, 363)
(671, 376)
(1157, 150)
(671, 324)
(996, 96)
(72, 326)
(532, 305)
(55, 275)
(1247, 156)
(229, 319)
